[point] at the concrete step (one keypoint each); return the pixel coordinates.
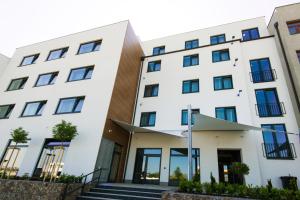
(93, 198)
(127, 192)
(119, 196)
(139, 189)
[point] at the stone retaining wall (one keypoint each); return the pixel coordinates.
(34, 190)
(169, 195)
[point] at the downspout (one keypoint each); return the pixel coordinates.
(133, 117)
(288, 65)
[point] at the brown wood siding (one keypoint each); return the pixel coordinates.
(124, 93)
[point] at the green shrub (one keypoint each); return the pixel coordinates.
(198, 187)
(219, 188)
(207, 188)
(65, 178)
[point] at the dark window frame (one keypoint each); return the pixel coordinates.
(155, 62)
(192, 42)
(261, 71)
(36, 56)
(277, 99)
(194, 111)
(161, 48)
(23, 83)
(220, 55)
(218, 39)
(222, 77)
(148, 119)
(85, 73)
(50, 80)
(190, 86)
(9, 111)
(225, 108)
(151, 86)
(294, 23)
(64, 50)
(193, 56)
(251, 36)
(77, 98)
(95, 44)
(42, 103)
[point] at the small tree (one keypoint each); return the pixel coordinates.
(18, 135)
(62, 132)
(239, 169)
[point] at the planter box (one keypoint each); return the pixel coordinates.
(169, 195)
(34, 190)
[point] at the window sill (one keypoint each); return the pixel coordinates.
(54, 59)
(78, 80)
(66, 113)
(223, 89)
(30, 116)
(13, 90)
(86, 52)
(36, 86)
(190, 92)
(191, 66)
(26, 65)
(220, 61)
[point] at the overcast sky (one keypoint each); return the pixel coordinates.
(28, 21)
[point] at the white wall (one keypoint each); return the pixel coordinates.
(83, 150)
(4, 60)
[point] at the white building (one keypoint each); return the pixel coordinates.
(231, 71)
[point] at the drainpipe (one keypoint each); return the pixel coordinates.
(288, 65)
(133, 117)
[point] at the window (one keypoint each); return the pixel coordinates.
(250, 34)
(158, 50)
(298, 55)
(294, 27)
(276, 142)
(151, 90)
(190, 86)
(5, 111)
(226, 113)
(89, 47)
(70, 105)
(81, 73)
(192, 44)
(56, 54)
(217, 39)
(220, 55)
(154, 66)
(148, 119)
(33, 108)
(223, 82)
(184, 116)
(267, 103)
(178, 166)
(261, 70)
(17, 84)
(190, 60)
(28, 60)
(46, 79)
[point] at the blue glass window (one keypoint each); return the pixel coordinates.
(56, 54)
(154, 66)
(191, 60)
(261, 70)
(5, 111)
(267, 103)
(250, 34)
(151, 90)
(28, 60)
(90, 47)
(226, 113)
(220, 55)
(158, 50)
(294, 27)
(34, 108)
(190, 86)
(70, 105)
(223, 82)
(148, 119)
(81, 73)
(46, 79)
(17, 84)
(217, 39)
(192, 44)
(184, 116)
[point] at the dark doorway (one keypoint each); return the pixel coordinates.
(225, 160)
(115, 162)
(147, 166)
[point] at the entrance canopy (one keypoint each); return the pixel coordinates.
(207, 123)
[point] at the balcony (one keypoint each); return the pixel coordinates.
(279, 151)
(270, 109)
(263, 76)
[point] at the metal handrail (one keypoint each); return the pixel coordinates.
(270, 109)
(279, 151)
(82, 187)
(263, 76)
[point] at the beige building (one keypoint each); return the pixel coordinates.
(285, 25)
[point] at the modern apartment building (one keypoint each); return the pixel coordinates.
(285, 25)
(129, 101)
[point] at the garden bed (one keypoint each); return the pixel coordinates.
(169, 195)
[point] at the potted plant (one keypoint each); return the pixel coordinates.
(18, 136)
(239, 169)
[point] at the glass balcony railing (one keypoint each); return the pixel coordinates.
(279, 151)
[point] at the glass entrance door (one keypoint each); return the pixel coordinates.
(147, 166)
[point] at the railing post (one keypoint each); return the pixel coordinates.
(83, 186)
(98, 181)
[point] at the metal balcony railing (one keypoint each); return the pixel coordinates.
(263, 76)
(270, 109)
(279, 151)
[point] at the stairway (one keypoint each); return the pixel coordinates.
(111, 192)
